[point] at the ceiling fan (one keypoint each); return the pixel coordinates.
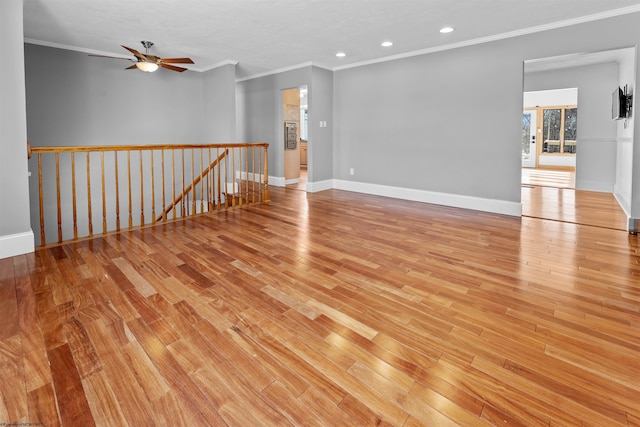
(150, 63)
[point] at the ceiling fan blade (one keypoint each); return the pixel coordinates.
(173, 68)
(177, 60)
(133, 67)
(135, 53)
(112, 57)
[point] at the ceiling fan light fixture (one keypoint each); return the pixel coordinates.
(146, 66)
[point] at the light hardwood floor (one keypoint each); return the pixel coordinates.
(549, 194)
(328, 309)
(574, 206)
(302, 181)
(549, 177)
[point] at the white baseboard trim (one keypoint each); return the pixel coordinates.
(255, 177)
(623, 202)
(280, 181)
(600, 187)
(277, 181)
(445, 199)
(314, 187)
(632, 223)
(16, 244)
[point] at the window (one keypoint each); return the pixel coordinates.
(570, 130)
(559, 129)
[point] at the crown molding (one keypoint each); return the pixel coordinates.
(285, 69)
(120, 55)
(76, 48)
(501, 36)
(214, 66)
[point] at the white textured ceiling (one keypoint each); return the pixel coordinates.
(267, 35)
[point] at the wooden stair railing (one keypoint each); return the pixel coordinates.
(192, 186)
(138, 176)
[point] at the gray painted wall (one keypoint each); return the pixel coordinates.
(446, 122)
(219, 97)
(596, 146)
(15, 230)
(432, 123)
(321, 138)
(75, 99)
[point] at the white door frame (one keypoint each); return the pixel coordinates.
(530, 161)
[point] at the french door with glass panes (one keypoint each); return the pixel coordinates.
(528, 142)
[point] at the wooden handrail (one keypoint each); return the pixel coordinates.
(236, 176)
(146, 147)
(190, 186)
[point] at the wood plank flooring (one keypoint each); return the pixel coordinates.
(568, 205)
(327, 309)
(549, 177)
(550, 194)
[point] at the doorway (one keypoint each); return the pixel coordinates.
(295, 124)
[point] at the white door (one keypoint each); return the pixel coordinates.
(529, 139)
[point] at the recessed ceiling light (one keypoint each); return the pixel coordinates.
(341, 54)
(445, 30)
(386, 44)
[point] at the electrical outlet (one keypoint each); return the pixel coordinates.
(352, 172)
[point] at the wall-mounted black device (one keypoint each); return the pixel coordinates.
(621, 103)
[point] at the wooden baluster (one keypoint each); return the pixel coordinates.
(141, 192)
(253, 169)
(193, 188)
(115, 154)
(201, 184)
(104, 197)
(73, 195)
(182, 209)
(246, 171)
(58, 197)
(129, 189)
(258, 168)
(249, 155)
(260, 195)
(89, 212)
(209, 183)
(164, 215)
(233, 177)
(239, 177)
(218, 186)
(173, 180)
(153, 192)
(227, 175)
(43, 241)
(267, 197)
